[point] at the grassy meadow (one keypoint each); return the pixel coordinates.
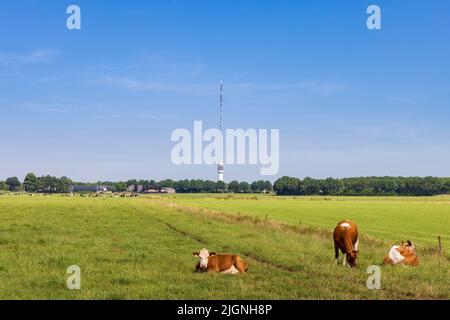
(421, 219)
(141, 248)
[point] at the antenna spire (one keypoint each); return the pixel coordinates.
(221, 106)
(220, 164)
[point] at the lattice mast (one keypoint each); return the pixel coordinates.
(220, 164)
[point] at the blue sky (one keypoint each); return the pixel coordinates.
(100, 103)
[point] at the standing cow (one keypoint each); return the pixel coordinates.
(225, 263)
(345, 238)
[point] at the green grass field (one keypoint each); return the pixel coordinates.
(421, 219)
(141, 248)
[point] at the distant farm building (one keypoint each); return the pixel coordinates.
(167, 190)
(146, 189)
(139, 188)
(73, 189)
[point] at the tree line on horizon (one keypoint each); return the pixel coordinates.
(360, 186)
(363, 186)
(49, 184)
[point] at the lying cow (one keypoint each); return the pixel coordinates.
(345, 238)
(225, 263)
(404, 254)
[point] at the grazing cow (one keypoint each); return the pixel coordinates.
(404, 254)
(345, 238)
(224, 263)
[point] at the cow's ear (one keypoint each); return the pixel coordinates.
(212, 254)
(355, 251)
(195, 254)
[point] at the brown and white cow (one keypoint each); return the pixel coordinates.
(404, 254)
(345, 238)
(225, 263)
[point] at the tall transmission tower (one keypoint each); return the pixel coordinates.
(220, 164)
(221, 106)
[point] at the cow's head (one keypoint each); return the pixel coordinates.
(203, 255)
(409, 246)
(352, 257)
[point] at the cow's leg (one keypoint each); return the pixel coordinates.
(234, 270)
(336, 254)
(231, 270)
(344, 260)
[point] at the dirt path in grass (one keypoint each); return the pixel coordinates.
(267, 223)
(260, 260)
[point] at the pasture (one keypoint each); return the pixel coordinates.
(141, 248)
(422, 219)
